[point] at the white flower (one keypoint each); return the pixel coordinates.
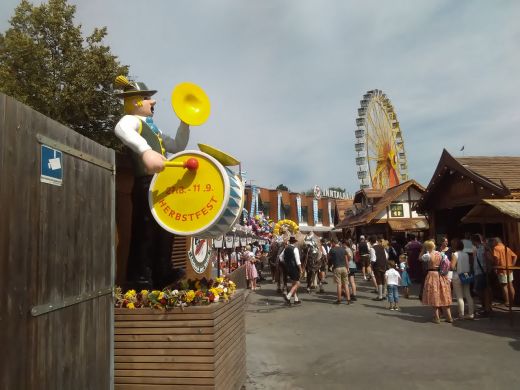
(225, 289)
(175, 292)
(216, 298)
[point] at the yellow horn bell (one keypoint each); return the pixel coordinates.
(191, 104)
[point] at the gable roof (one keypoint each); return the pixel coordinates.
(495, 169)
(371, 212)
(369, 193)
(499, 174)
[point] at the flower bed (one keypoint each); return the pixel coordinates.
(185, 293)
(181, 340)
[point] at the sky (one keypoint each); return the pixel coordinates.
(285, 78)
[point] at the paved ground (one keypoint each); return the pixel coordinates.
(320, 345)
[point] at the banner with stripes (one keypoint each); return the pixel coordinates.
(299, 208)
(315, 211)
(279, 206)
(254, 201)
(331, 221)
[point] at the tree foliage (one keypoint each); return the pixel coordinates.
(282, 187)
(338, 189)
(47, 64)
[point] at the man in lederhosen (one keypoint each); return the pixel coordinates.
(149, 262)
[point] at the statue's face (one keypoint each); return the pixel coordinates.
(143, 106)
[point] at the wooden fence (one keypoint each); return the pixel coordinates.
(56, 254)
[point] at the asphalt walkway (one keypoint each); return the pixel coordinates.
(321, 345)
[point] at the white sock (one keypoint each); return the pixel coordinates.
(289, 295)
(296, 298)
(380, 290)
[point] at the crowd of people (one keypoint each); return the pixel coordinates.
(463, 270)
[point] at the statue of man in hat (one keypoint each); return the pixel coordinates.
(149, 263)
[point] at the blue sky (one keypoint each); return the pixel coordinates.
(285, 77)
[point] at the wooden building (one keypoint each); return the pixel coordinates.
(388, 212)
(461, 183)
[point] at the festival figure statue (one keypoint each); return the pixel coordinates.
(149, 262)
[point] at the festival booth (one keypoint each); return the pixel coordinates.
(191, 335)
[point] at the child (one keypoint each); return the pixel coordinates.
(392, 279)
(405, 278)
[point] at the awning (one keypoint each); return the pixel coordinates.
(493, 211)
(408, 224)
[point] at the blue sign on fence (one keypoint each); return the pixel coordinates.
(51, 166)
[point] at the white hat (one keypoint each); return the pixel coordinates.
(361, 237)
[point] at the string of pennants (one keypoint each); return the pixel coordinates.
(231, 241)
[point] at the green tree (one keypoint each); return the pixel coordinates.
(282, 187)
(47, 64)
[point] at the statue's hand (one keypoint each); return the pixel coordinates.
(153, 161)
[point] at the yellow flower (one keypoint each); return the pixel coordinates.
(130, 306)
(190, 295)
(155, 292)
(161, 295)
(144, 293)
(130, 294)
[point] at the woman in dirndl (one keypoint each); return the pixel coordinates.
(251, 272)
(437, 289)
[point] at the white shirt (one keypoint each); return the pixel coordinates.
(127, 130)
(372, 253)
(462, 262)
(392, 277)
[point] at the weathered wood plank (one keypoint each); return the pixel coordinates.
(164, 366)
(164, 344)
(205, 330)
(164, 338)
(164, 373)
(133, 386)
(164, 381)
(164, 358)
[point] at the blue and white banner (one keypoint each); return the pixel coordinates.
(279, 206)
(299, 208)
(331, 221)
(254, 201)
(315, 211)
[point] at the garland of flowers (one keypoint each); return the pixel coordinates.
(185, 293)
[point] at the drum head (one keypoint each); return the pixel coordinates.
(187, 202)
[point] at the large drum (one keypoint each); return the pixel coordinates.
(205, 202)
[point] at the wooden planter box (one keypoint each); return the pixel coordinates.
(199, 348)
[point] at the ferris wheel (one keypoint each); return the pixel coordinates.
(381, 158)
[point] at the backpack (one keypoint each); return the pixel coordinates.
(444, 266)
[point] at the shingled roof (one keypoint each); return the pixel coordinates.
(371, 212)
(495, 169)
(498, 174)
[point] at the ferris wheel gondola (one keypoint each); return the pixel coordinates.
(381, 157)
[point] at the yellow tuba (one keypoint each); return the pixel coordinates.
(190, 103)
